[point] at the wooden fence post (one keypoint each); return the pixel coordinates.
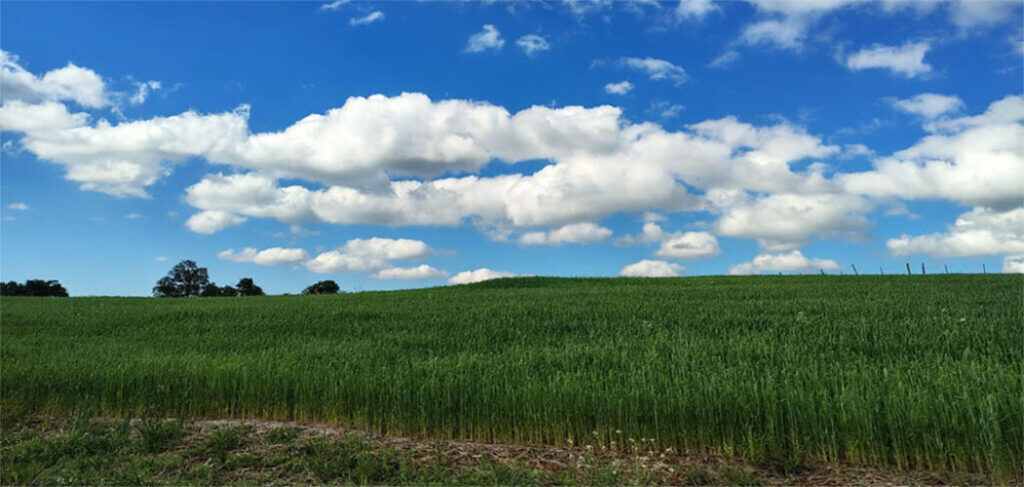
(908, 268)
(922, 269)
(854, 270)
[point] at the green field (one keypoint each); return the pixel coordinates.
(922, 372)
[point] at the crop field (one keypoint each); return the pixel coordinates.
(922, 372)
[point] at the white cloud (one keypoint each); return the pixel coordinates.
(212, 221)
(335, 5)
(929, 105)
(652, 268)
(482, 274)
(489, 38)
(160, 259)
(579, 233)
(367, 19)
(981, 231)
(18, 116)
(142, 90)
(651, 232)
(906, 60)
(657, 69)
(122, 159)
(689, 245)
(355, 158)
(785, 221)
(601, 165)
(271, 256)
(72, 83)
(620, 88)
(973, 14)
(133, 216)
(357, 255)
(532, 44)
(974, 160)
(694, 9)
(783, 262)
(1013, 264)
(18, 206)
(360, 255)
(422, 271)
(725, 59)
(786, 33)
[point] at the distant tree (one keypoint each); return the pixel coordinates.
(186, 279)
(322, 287)
(210, 291)
(34, 287)
(228, 292)
(12, 288)
(246, 287)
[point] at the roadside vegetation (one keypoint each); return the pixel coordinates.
(83, 450)
(899, 373)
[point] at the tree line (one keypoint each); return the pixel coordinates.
(34, 287)
(187, 279)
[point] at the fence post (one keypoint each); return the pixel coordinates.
(983, 271)
(922, 269)
(908, 268)
(946, 266)
(880, 271)
(822, 271)
(854, 270)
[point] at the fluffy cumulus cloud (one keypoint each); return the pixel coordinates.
(906, 60)
(929, 105)
(422, 271)
(213, 221)
(652, 268)
(479, 275)
(981, 231)
(410, 160)
(973, 160)
(579, 233)
(689, 245)
(360, 255)
(601, 165)
(357, 255)
(70, 83)
(531, 44)
(121, 159)
(785, 221)
(620, 88)
(793, 261)
(656, 69)
(271, 256)
(489, 38)
(1013, 264)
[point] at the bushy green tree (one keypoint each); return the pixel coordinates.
(186, 279)
(246, 287)
(322, 287)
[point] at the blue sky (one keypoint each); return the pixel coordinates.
(450, 142)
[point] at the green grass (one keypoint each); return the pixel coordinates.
(924, 372)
